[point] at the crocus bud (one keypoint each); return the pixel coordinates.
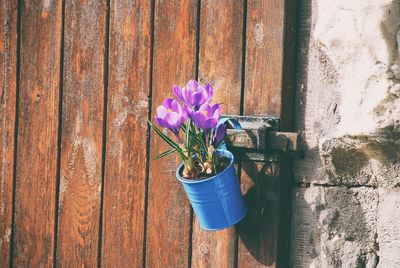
(171, 115)
(207, 116)
(193, 94)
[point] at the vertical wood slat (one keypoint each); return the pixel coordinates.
(82, 129)
(264, 57)
(37, 134)
(174, 62)
(258, 233)
(220, 60)
(220, 63)
(8, 83)
(125, 171)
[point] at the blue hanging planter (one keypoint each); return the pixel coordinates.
(217, 201)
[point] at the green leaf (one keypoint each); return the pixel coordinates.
(170, 151)
(201, 142)
(163, 136)
(168, 140)
(187, 139)
(183, 127)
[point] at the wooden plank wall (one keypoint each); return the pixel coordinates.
(37, 136)
(79, 185)
(8, 98)
(174, 61)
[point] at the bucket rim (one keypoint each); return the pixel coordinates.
(186, 181)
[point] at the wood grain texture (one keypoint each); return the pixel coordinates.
(37, 134)
(8, 74)
(81, 139)
(213, 249)
(220, 63)
(220, 59)
(174, 62)
(264, 57)
(125, 171)
(258, 233)
(167, 231)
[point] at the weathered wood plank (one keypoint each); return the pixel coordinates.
(213, 249)
(220, 63)
(81, 139)
(36, 170)
(264, 57)
(220, 59)
(125, 171)
(263, 96)
(174, 62)
(8, 74)
(258, 236)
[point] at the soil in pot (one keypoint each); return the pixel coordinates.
(223, 163)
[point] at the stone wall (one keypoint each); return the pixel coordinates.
(346, 199)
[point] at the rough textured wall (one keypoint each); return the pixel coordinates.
(346, 203)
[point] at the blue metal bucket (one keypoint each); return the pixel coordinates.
(217, 201)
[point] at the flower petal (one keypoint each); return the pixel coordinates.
(198, 119)
(185, 112)
(167, 103)
(219, 134)
(204, 107)
(173, 120)
(176, 107)
(192, 84)
(198, 98)
(178, 92)
(216, 111)
(210, 123)
(186, 94)
(161, 122)
(161, 111)
(210, 92)
(215, 107)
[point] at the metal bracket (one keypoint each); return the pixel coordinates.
(259, 139)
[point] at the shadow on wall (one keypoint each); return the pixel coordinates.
(258, 231)
(333, 226)
(390, 28)
(334, 223)
(317, 98)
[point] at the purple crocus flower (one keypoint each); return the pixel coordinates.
(207, 116)
(171, 115)
(193, 94)
(219, 134)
